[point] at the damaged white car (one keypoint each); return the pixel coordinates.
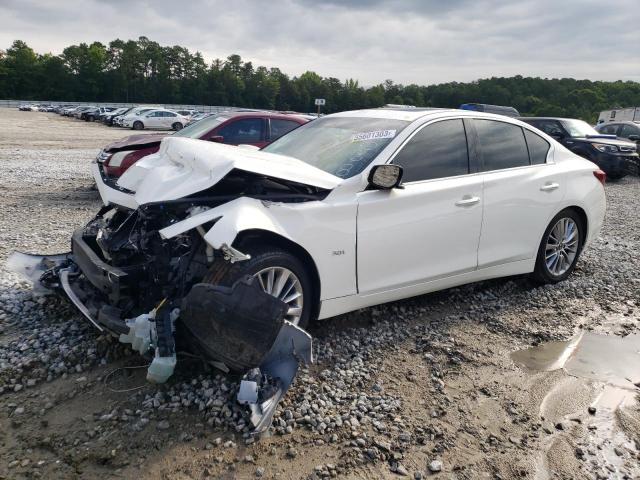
(233, 251)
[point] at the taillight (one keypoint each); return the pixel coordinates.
(600, 175)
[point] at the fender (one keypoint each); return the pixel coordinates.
(326, 231)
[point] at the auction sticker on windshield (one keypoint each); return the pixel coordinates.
(375, 135)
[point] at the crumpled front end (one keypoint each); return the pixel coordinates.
(127, 279)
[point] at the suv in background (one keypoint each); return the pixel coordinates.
(232, 128)
(627, 130)
(616, 157)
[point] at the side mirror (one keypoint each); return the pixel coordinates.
(634, 138)
(385, 177)
(216, 138)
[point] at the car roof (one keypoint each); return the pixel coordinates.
(258, 113)
(412, 114)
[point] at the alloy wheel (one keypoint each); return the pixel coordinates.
(562, 246)
(282, 283)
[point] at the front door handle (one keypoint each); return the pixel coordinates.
(548, 187)
(467, 201)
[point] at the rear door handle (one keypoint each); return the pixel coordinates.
(467, 201)
(548, 187)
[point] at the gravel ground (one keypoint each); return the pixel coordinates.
(418, 388)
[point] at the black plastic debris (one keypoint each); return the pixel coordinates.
(263, 388)
(235, 325)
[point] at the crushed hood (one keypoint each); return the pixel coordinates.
(133, 141)
(185, 166)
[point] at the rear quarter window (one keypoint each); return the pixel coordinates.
(538, 147)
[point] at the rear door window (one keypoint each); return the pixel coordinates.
(538, 147)
(502, 145)
(436, 151)
(245, 130)
(609, 129)
(629, 130)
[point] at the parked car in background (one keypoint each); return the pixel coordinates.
(199, 116)
(110, 118)
(80, 110)
(132, 113)
(232, 128)
(630, 114)
(497, 109)
(69, 111)
(156, 119)
(616, 157)
(626, 130)
(96, 113)
(187, 113)
(90, 114)
(60, 108)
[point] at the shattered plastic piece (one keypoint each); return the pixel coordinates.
(66, 286)
(248, 392)
(161, 368)
(31, 267)
(278, 369)
(140, 332)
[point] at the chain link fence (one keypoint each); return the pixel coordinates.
(200, 108)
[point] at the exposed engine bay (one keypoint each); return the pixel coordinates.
(127, 279)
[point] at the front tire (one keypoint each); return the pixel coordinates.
(280, 274)
(177, 126)
(138, 125)
(560, 247)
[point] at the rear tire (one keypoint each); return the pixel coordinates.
(138, 125)
(560, 247)
(177, 126)
(263, 258)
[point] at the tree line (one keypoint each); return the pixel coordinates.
(143, 71)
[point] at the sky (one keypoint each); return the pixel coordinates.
(409, 41)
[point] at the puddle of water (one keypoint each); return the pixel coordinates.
(610, 360)
(606, 358)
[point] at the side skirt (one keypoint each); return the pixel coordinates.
(338, 306)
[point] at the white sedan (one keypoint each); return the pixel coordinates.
(156, 119)
(351, 210)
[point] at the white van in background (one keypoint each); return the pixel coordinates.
(630, 114)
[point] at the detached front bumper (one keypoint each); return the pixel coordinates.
(93, 286)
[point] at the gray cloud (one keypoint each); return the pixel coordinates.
(409, 41)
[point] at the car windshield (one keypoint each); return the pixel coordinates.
(579, 128)
(342, 146)
(198, 129)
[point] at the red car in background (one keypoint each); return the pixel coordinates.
(233, 128)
